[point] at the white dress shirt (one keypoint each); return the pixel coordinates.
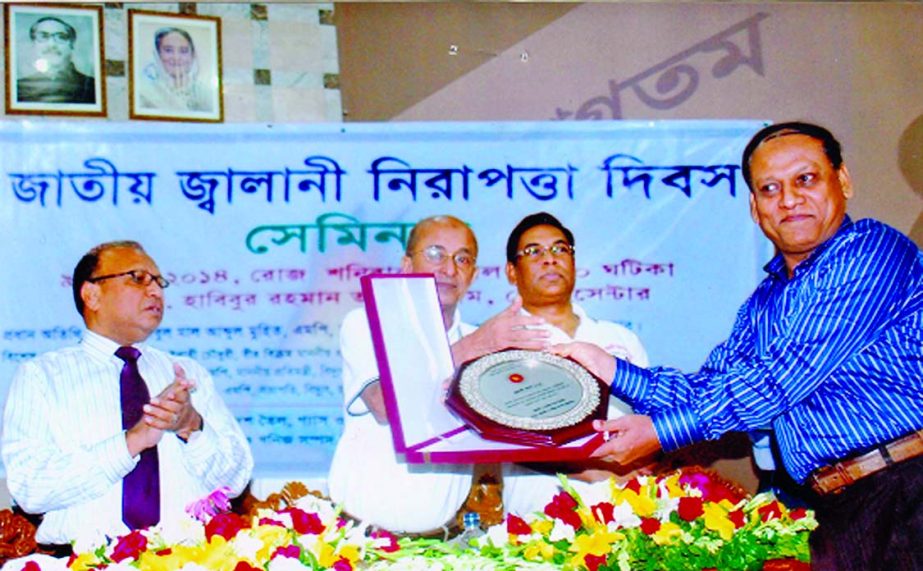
(65, 451)
(525, 491)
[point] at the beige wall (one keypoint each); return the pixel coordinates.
(855, 67)
(279, 60)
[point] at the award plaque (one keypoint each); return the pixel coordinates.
(528, 397)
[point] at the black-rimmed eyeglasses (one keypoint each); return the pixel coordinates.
(142, 278)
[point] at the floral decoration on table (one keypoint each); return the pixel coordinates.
(689, 519)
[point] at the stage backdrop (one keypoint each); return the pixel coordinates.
(264, 231)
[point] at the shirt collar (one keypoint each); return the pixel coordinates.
(776, 266)
(102, 347)
(454, 331)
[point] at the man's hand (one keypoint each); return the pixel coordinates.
(170, 411)
(593, 357)
(631, 438)
(508, 329)
(375, 401)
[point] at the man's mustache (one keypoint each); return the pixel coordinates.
(51, 50)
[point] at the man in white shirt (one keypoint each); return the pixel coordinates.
(540, 262)
(366, 477)
(68, 449)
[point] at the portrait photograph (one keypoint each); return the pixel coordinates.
(174, 67)
(54, 60)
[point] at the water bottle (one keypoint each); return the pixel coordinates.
(472, 523)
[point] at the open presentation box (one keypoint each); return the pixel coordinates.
(415, 365)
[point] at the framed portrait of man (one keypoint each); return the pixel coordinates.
(174, 67)
(54, 59)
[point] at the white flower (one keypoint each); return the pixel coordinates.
(45, 563)
(498, 535)
(666, 506)
(184, 531)
(596, 493)
(186, 567)
(625, 516)
(246, 546)
(285, 564)
(88, 540)
(561, 531)
(312, 504)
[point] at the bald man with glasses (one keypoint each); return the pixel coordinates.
(366, 477)
(113, 435)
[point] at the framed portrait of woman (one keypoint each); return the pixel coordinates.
(54, 60)
(174, 67)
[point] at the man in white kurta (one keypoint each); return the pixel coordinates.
(540, 255)
(64, 447)
(366, 477)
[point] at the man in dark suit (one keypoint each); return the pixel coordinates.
(55, 80)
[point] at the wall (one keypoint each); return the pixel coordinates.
(854, 67)
(279, 60)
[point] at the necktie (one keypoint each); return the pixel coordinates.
(141, 486)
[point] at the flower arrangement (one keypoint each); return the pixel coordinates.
(308, 533)
(685, 520)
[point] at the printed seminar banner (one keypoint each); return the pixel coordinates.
(265, 230)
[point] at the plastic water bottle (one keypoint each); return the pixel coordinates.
(472, 523)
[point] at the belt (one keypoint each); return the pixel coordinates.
(833, 479)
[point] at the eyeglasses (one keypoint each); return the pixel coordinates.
(57, 37)
(141, 278)
(535, 251)
(437, 255)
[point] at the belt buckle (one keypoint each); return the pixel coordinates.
(820, 480)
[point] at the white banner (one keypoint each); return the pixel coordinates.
(264, 230)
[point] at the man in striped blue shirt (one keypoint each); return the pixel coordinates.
(828, 351)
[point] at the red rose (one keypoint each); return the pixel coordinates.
(562, 507)
(798, 513)
(129, 546)
(593, 562)
(244, 566)
(770, 511)
(517, 526)
(226, 525)
(392, 540)
(603, 512)
(270, 521)
(305, 522)
(292, 551)
(343, 564)
(31, 566)
(650, 525)
(738, 518)
(690, 508)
